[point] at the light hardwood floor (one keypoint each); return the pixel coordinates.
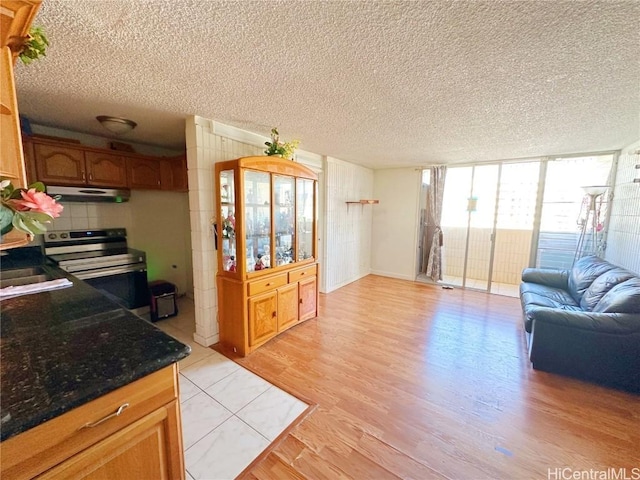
(413, 381)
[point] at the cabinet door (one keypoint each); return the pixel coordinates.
(305, 219)
(144, 449)
(287, 306)
(263, 317)
(60, 165)
(257, 215)
(284, 219)
(173, 174)
(106, 170)
(308, 298)
(144, 173)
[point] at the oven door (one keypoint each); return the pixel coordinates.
(126, 285)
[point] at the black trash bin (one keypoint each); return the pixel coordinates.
(163, 300)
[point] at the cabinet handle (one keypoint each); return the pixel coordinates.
(273, 315)
(300, 301)
(117, 413)
(302, 273)
(91, 176)
(268, 284)
(84, 176)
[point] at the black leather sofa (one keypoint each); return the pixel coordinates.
(584, 322)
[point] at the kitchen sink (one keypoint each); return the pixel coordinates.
(23, 276)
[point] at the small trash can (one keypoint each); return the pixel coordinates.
(163, 300)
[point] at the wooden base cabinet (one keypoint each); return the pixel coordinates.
(268, 307)
(90, 442)
(267, 249)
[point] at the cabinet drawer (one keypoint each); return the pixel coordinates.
(40, 448)
(301, 273)
(264, 285)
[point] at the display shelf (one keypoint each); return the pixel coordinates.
(362, 202)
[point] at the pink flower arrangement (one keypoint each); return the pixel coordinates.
(26, 209)
(35, 201)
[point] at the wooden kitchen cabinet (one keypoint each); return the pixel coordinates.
(144, 173)
(173, 174)
(267, 249)
(12, 164)
(105, 169)
(158, 173)
(137, 451)
(144, 441)
(59, 162)
(15, 21)
(62, 164)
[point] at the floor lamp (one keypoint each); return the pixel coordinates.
(590, 222)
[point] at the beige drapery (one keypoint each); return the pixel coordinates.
(434, 215)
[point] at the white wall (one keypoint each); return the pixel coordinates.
(347, 255)
(623, 238)
(394, 244)
(204, 149)
(160, 227)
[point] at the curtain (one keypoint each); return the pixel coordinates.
(434, 204)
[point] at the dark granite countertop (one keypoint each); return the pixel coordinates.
(62, 348)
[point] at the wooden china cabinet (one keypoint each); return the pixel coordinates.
(267, 249)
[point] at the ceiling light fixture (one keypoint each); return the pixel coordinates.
(116, 125)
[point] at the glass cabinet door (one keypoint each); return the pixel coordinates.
(228, 220)
(257, 214)
(304, 218)
(284, 219)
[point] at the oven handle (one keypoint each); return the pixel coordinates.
(106, 272)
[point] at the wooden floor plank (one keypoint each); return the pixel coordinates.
(413, 381)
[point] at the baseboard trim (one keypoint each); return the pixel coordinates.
(393, 275)
(206, 341)
(347, 282)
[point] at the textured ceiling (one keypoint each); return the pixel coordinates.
(378, 83)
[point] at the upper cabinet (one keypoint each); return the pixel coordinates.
(105, 169)
(144, 173)
(58, 162)
(15, 21)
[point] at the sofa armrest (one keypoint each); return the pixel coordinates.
(546, 276)
(612, 323)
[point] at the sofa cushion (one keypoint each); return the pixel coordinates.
(543, 295)
(533, 295)
(602, 285)
(623, 298)
(584, 272)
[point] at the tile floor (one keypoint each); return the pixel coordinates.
(229, 415)
(507, 289)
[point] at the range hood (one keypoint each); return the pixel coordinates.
(89, 194)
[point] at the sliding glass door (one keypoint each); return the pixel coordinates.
(487, 220)
(468, 219)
